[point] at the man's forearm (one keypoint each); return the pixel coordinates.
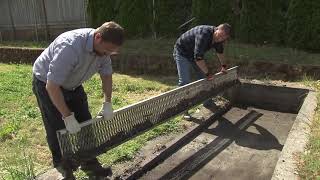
(221, 59)
(57, 98)
(107, 87)
(202, 65)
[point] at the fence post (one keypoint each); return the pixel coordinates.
(11, 20)
(35, 19)
(85, 13)
(47, 34)
(154, 20)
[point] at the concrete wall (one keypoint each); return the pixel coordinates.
(296, 143)
(274, 98)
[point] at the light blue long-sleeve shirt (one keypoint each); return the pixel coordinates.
(70, 60)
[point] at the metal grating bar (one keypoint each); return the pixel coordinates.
(97, 136)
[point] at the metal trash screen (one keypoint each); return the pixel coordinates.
(97, 135)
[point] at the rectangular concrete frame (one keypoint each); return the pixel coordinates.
(269, 97)
(302, 102)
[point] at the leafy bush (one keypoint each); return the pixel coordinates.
(101, 11)
(261, 21)
(169, 15)
(303, 25)
(135, 17)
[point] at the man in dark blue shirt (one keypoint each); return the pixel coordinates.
(191, 46)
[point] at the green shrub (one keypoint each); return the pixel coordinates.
(169, 15)
(215, 12)
(201, 10)
(303, 25)
(101, 11)
(136, 17)
(261, 21)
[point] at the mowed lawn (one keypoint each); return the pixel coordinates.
(23, 147)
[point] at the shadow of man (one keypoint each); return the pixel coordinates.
(262, 141)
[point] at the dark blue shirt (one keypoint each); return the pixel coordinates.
(194, 43)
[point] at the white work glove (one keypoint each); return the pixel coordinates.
(106, 111)
(72, 124)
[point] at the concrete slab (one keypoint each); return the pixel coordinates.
(243, 144)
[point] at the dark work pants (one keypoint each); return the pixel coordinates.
(77, 102)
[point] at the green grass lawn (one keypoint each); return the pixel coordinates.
(23, 148)
(20, 124)
(309, 165)
(234, 51)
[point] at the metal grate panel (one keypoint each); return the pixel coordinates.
(97, 135)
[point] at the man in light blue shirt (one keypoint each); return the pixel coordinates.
(58, 73)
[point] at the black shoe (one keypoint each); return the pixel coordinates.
(98, 178)
(66, 173)
(66, 168)
(94, 169)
